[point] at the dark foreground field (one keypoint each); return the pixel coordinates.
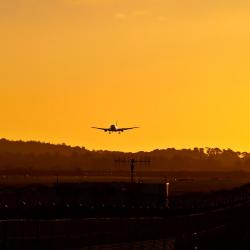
(227, 228)
(207, 211)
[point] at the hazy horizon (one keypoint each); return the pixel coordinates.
(103, 149)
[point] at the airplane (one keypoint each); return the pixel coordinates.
(114, 128)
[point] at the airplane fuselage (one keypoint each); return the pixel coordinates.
(114, 128)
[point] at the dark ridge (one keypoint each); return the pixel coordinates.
(25, 157)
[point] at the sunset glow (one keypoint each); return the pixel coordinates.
(178, 69)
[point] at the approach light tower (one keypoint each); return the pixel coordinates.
(133, 162)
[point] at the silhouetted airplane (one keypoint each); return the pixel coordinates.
(114, 128)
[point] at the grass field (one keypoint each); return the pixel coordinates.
(179, 182)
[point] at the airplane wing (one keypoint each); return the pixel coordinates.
(104, 129)
(122, 129)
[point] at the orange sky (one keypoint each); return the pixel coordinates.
(179, 69)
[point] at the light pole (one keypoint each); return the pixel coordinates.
(167, 194)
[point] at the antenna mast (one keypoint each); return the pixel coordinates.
(132, 163)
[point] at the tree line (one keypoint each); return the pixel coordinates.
(28, 157)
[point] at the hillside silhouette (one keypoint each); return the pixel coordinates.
(31, 157)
